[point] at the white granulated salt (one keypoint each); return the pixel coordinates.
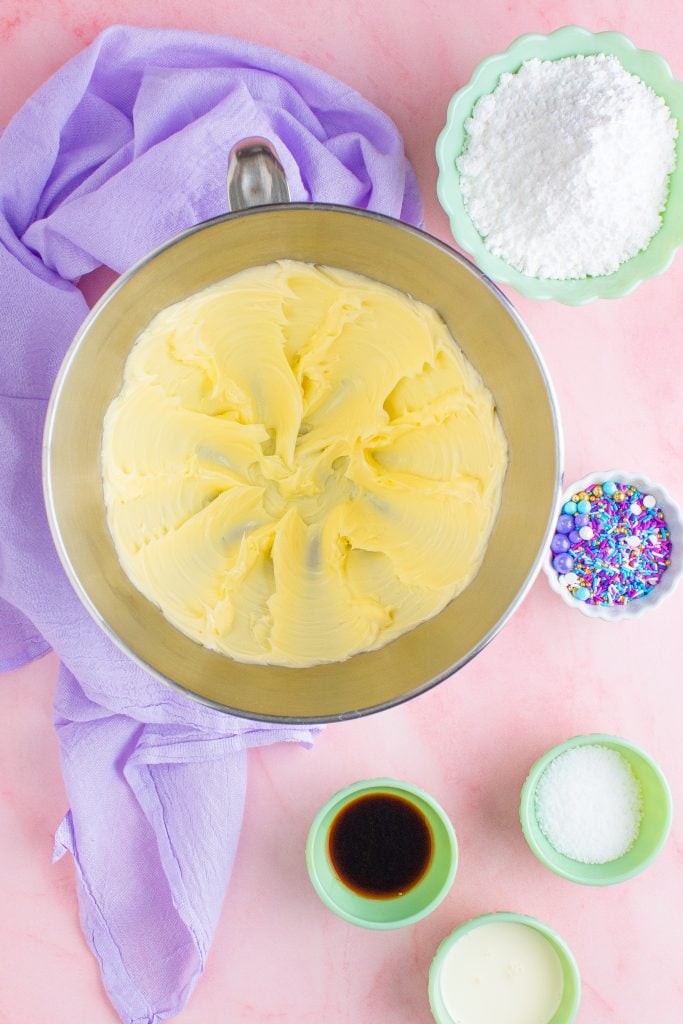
(565, 167)
(589, 804)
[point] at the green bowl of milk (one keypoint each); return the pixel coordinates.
(504, 968)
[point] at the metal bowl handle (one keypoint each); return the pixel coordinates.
(255, 176)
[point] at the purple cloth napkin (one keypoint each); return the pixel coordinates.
(125, 146)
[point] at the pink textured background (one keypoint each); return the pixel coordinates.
(279, 955)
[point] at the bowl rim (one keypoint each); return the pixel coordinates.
(527, 811)
(441, 1015)
(340, 799)
(569, 292)
(674, 572)
(60, 543)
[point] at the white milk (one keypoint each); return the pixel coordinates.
(502, 972)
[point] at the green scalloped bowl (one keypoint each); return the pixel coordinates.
(565, 42)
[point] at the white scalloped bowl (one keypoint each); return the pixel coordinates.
(669, 580)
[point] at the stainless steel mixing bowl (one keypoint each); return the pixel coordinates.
(486, 327)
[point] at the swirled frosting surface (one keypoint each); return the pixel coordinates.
(301, 465)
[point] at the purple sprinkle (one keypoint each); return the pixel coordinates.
(560, 543)
(565, 523)
(563, 563)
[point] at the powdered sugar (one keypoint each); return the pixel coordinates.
(565, 168)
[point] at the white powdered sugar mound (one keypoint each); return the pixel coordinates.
(565, 168)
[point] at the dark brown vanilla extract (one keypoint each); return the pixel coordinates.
(380, 845)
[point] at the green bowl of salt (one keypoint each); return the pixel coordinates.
(652, 830)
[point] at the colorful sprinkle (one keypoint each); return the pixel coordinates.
(563, 563)
(618, 551)
(569, 508)
(565, 524)
(560, 543)
(583, 507)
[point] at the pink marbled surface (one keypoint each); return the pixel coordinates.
(279, 955)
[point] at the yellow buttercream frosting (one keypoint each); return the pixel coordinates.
(301, 465)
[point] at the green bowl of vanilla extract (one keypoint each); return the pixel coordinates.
(382, 853)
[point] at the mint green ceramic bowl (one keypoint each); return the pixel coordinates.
(571, 993)
(565, 42)
(654, 828)
(383, 913)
